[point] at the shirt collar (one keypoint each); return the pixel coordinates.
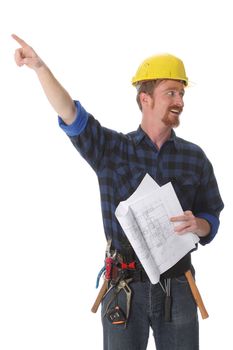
(173, 138)
(140, 134)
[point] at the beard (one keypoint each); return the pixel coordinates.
(171, 120)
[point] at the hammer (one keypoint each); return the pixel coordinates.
(196, 294)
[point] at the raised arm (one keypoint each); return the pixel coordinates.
(56, 94)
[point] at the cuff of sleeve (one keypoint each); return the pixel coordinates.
(214, 225)
(79, 123)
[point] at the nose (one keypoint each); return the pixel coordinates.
(179, 101)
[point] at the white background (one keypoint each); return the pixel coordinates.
(51, 236)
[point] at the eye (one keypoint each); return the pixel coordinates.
(182, 93)
(171, 93)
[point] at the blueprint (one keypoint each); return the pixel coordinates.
(145, 219)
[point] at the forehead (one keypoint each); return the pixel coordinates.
(169, 84)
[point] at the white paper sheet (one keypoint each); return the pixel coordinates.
(145, 219)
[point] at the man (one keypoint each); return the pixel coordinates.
(121, 162)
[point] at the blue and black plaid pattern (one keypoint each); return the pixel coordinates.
(122, 160)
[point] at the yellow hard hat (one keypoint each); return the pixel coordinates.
(164, 66)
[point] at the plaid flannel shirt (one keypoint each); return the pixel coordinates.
(120, 162)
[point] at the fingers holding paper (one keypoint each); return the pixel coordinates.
(190, 223)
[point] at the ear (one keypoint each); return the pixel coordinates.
(144, 98)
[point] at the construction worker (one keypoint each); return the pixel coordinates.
(121, 162)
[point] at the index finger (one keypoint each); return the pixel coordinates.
(19, 40)
(178, 218)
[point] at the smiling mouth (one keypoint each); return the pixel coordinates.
(175, 111)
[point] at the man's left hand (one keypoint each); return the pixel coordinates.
(190, 223)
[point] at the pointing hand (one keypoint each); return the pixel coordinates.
(25, 55)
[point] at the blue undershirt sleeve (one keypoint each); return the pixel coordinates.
(214, 225)
(79, 123)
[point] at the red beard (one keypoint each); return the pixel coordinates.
(172, 120)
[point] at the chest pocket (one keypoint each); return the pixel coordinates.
(127, 180)
(186, 187)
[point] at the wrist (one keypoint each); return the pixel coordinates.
(203, 227)
(41, 68)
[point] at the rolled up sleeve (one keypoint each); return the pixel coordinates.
(79, 123)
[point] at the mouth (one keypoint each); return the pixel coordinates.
(176, 111)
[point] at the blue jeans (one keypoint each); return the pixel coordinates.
(147, 310)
